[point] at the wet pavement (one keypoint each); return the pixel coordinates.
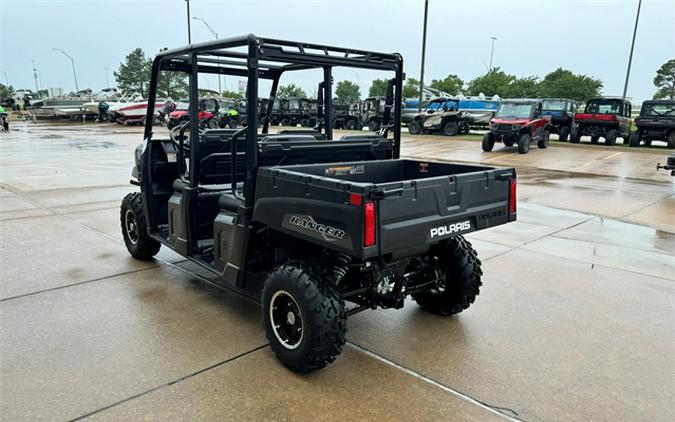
(575, 320)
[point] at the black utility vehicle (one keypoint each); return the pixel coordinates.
(343, 116)
(562, 113)
(606, 117)
(334, 226)
(655, 123)
(371, 112)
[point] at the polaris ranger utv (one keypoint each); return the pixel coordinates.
(441, 115)
(607, 117)
(520, 122)
(334, 226)
(562, 112)
(655, 123)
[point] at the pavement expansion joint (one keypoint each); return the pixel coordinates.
(170, 383)
(504, 412)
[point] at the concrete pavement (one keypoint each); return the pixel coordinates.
(574, 321)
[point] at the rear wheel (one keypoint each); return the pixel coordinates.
(212, 124)
(543, 142)
(373, 125)
(461, 272)
(634, 139)
(350, 124)
(564, 133)
(464, 128)
(135, 228)
(610, 137)
(594, 139)
(575, 136)
(488, 142)
(524, 143)
(285, 122)
(450, 128)
(671, 140)
(415, 127)
(304, 316)
(232, 124)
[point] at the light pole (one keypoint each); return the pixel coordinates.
(424, 50)
(492, 51)
(632, 47)
(72, 62)
(35, 75)
(215, 35)
(188, 21)
(6, 80)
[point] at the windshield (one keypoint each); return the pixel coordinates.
(449, 105)
(555, 105)
(512, 111)
(603, 107)
(667, 109)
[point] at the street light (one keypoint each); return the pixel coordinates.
(632, 47)
(492, 51)
(188, 21)
(72, 62)
(424, 50)
(215, 35)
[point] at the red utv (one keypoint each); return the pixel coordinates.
(606, 117)
(208, 109)
(519, 122)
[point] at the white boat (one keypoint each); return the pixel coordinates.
(136, 112)
(58, 107)
(109, 95)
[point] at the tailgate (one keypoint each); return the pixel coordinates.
(415, 214)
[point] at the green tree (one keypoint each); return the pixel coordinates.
(290, 90)
(452, 84)
(134, 73)
(6, 91)
(495, 82)
(527, 87)
(232, 94)
(665, 81)
(378, 88)
(43, 93)
(170, 84)
(348, 90)
(411, 88)
(562, 83)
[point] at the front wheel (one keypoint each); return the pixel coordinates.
(575, 136)
(634, 139)
(488, 142)
(450, 128)
(373, 125)
(303, 315)
(564, 133)
(135, 229)
(415, 127)
(461, 273)
(524, 143)
(543, 142)
(350, 124)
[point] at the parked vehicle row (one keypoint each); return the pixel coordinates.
(522, 121)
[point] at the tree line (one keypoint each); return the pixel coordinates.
(133, 75)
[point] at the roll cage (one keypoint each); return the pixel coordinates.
(257, 58)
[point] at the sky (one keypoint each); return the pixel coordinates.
(533, 37)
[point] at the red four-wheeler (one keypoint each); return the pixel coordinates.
(207, 116)
(603, 117)
(334, 225)
(521, 122)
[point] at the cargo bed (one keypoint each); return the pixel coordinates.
(416, 203)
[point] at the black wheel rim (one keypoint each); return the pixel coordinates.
(286, 319)
(131, 226)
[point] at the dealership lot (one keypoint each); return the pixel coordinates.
(574, 321)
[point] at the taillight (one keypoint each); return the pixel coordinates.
(369, 224)
(512, 197)
(606, 117)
